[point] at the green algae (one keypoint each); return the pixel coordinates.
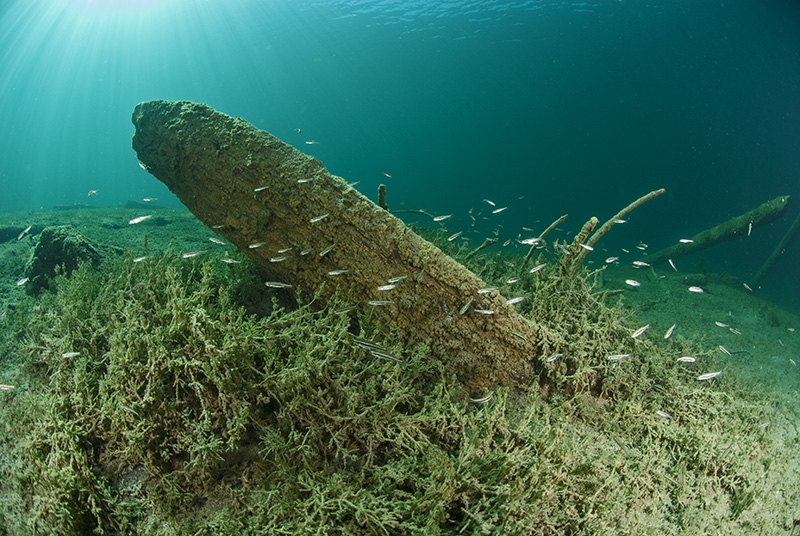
(184, 414)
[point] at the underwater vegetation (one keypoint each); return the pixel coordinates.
(148, 401)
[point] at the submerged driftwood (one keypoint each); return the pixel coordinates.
(738, 226)
(776, 253)
(265, 197)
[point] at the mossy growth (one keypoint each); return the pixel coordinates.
(151, 403)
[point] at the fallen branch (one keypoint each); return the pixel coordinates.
(738, 226)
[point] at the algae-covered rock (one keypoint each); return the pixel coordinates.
(60, 246)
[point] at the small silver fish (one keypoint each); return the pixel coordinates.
(490, 202)
(537, 268)
(217, 240)
(486, 290)
(129, 410)
(672, 264)
(466, 305)
(397, 279)
(611, 259)
(306, 251)
(663, 414)
(367, 345)
(686, 359)
(616, 220)
(632, 282)
(554, 357)
(484, 311)
(67, 355)
(587, 247)
(640, 263)
(454, 236)
(193, 254)
(343, 310)
(384, 355)
(724, 350)
(668, 334)
(617, 357)
(140, 259)
(530, 241)
(280, 258)
(379, 303)
(231, 261)
(387, 287)
(685, 240)
(319, 218)
(256, 245)
(277, 284)
(512, 280)
(696, 289)
(512, 301)
(720, 324)
(326, 250)
(709, 376)
(22, 281)
(499, 210)
(139, 219)
(338, 272)
(260, 188)
(483, 400)
(23, 233)
(442, 218)
(639, 331)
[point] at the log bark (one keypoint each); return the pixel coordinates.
(738, 226)
(252, 188)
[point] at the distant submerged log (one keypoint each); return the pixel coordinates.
(738, 226)
(776, 253)
(289, 214)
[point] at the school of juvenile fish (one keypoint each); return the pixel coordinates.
(470, 305)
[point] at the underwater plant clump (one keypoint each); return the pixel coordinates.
(155, 405)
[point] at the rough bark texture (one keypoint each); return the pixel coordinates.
(219, 167)
(738, 226)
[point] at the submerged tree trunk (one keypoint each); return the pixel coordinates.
(735, 227)
(308, 227)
